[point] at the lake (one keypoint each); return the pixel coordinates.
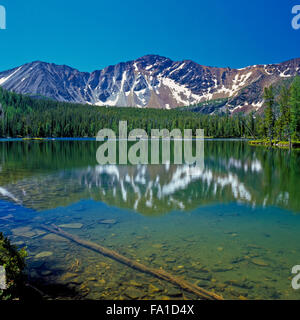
(232, 228)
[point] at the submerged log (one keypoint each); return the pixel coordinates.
(159, 273)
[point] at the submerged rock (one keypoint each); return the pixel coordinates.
(135, 283)
(43, 254)
(23, 232)
(91, 279)
(102, 281)
(153, 288)
(238, 260)
(203, 269)
(27, 232)
(259, 262)
(244, 284)
(71, 225)
(84, 290)
(39, 232)
(206, 276)
(222, 269)
(76, 281)
(180, 267)
(254, 246)
(172, 260)
(46, 273)
(102, 265)
(19, 243)
(107, 221)
(134, 293)
(54, 237)
(68, 276)
(174, 292)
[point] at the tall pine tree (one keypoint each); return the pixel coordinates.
(295, 108)
(269, 112)
(284, 120)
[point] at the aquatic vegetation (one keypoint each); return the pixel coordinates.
(13, 260)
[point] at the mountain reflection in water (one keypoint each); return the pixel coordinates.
(48, 174)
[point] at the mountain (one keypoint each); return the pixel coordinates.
(153, 81)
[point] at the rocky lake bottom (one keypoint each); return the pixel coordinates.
(235, 251)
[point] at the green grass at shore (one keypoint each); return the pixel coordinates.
(275, 143)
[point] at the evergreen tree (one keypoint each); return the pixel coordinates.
(284, 120)
(269, 113)
(295, 108)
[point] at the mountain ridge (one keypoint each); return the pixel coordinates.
(152, 81)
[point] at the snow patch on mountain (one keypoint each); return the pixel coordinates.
(150, 81)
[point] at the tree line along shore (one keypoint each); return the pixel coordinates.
(27, 117)
(280, 125)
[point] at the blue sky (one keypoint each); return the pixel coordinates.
(92, 34)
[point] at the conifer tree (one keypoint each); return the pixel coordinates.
(269, 112)
(284, 120)
(295, 108)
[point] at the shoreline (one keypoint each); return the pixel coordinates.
(275, 144)
(117, 138)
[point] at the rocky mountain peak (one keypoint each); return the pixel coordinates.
(152, 81)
